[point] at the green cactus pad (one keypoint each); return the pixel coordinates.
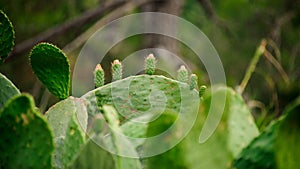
(174, 158)
(93, 156)
(133, 96)
(7, 36)
(26, 139)
(235, 130)
(116, 70)
(52, 68)
(277, 146)
(68, 120)
(260, 152)
(287, 138)
(182, 74)
(241, 125)
(119, 144)
(202, 90)
(98, 76)
(7, 90)
(150, 62)
(193, 81)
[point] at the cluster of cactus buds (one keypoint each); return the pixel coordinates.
(150, 66)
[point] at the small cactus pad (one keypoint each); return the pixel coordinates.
(202, 90)
(52, 68)
(182, 74)
(7, 90)
(98, 76)
(7, 36)
(26, 139)
(150, 62)
(68, 120)
(193, 81)
(116, 69)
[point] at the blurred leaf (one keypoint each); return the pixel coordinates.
(287, 147)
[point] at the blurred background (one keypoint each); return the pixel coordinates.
(235, 28)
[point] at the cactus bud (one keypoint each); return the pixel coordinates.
(193, 81)
(150, 62)
(116, 69)
(182, 74)
(99, 76)
(202, 90)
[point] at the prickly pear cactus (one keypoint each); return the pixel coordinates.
(52, 68)
(135, 95)
(143, 98)
(7, 36)
(7, 90)
(174, 158)
(277, 146)
(68, 120)
(260, 152)
(92, 156)
(26, 139)
(235, 130)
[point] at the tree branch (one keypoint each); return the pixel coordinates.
(208, 9)
(65, 27)
(275, 32)
(128, 7)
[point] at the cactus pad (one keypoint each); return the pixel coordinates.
(7, 90)
(99, 76)
(260, 152)
(150, 62)
(235, 130)
(135, 95)
(7, 36)
(182, 74)
(68, 120)
(26, 140)
(52, 68)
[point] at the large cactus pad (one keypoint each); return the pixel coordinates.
(143, 94)
(26, 140)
